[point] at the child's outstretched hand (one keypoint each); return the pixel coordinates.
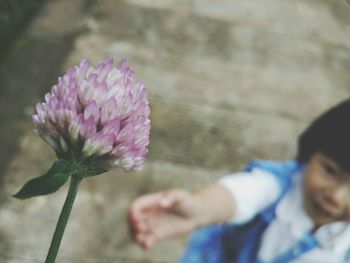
(161, 215)
(165, 214)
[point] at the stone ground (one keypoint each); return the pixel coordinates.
(228, 81)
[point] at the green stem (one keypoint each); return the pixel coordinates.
(62, 221)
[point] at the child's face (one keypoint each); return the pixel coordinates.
(326, 190)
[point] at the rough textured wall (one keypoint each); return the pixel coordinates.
(229, 81)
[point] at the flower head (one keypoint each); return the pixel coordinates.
(97, 113)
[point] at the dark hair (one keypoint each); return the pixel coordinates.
(328, 134)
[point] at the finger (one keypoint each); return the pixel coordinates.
(138, 226)
(150, 242)
(143, 203)
(162, 199)
(166, 202)
(146, 240)
(141, 240)
(143, 226)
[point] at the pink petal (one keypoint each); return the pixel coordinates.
(92, 111)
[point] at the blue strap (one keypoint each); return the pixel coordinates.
(204, 246)
(305, 244)
(347, 257)
(283, 172)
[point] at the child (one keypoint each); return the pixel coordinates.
(297, 210)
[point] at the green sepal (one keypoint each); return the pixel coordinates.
(91, 167)
(48, 183)
(94, 169)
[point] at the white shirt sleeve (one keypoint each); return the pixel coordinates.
(253, 191)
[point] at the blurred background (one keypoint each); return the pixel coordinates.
(228, 80)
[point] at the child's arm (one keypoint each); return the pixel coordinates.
(216, 205)
(237, 198)
(161, 215)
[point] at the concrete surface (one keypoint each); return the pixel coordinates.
(228, 81)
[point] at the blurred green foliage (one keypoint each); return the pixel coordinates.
(14, 16)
